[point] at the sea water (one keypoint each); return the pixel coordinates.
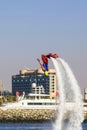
(31, 126)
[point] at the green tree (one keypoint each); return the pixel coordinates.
(11, 98)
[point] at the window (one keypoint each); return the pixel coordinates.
(13, 80)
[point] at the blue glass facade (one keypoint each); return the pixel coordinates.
(23, 82)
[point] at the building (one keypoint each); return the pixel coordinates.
(35, 83)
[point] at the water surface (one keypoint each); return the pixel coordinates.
(30, 126)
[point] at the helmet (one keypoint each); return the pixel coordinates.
(46, 73)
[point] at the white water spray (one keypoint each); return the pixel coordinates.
(69, 91)
(61, 95)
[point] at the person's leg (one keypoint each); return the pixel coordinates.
(41, 64)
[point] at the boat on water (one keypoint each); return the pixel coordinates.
(37, 103)
(50, 104)
(31, 104)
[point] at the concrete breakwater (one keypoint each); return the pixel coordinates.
(27, 115)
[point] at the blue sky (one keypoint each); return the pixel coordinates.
(29, 28)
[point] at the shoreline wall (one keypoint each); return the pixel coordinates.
(20, 115)
(27, 115)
